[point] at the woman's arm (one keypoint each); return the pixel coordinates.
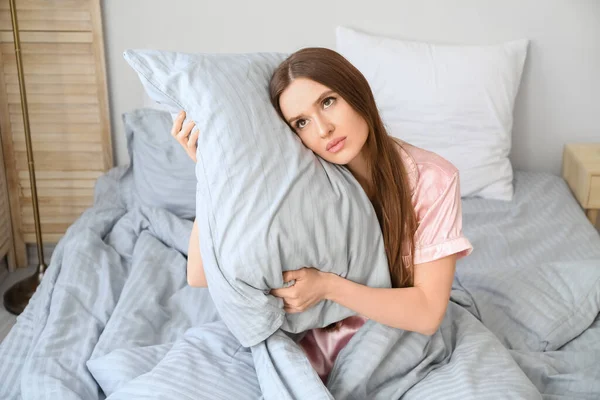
(195, 269)
(419, 309)
(187, 139)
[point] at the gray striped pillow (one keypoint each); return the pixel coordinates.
(264, 202)
(160, 166)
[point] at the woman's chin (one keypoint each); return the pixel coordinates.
(342, 157)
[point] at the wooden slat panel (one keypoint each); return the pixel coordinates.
(47, 5)
(53, 89)
(59, 146)
(48, 37)
(12, 181)
(59, 184)
(50, 25)
(31, 59)
(86, 201)
(40, 129)
(50, 228)
(37, 119)
(69, 109)
(48, 48)
(61, 160)
(55, 192)
(5, 239)
(46, 218)
(98, 39)
(51, 79)
(40, 139)
(50, 99)
(65, 209)
(40, 175)
(4, 212)
(48, 20)
(63, 57)
(51, 69)
(4, 246)
(46, 237)
(54, 14)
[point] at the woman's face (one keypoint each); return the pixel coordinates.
(324, 121)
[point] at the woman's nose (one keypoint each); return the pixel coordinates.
(324, 127)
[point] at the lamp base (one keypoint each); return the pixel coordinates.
(17, 297)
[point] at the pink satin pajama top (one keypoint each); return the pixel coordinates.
(436, 199)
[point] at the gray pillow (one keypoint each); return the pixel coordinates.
(265, 203)
(163, 174)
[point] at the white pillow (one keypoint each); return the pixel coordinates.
(454, 100)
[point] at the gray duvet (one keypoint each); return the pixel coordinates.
(114, 316)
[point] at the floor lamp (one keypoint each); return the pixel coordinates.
(17, 297)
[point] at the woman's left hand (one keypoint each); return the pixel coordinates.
(311, 287)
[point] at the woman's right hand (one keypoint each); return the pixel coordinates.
(186, 137)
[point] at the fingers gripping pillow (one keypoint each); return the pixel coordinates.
(265, 203)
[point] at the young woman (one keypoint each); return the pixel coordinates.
(328, 103)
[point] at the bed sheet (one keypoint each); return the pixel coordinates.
(114, 316)
(533, 280)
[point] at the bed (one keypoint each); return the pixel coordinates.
(114, 314)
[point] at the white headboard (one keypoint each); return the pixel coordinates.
(559, 99)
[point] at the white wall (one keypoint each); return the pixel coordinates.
(559, 99)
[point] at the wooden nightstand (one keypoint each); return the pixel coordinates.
(581, 170)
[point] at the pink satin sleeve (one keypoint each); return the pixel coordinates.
(439, 214)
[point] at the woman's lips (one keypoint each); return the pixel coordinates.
(336, 145)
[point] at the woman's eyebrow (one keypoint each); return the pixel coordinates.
(321, 97)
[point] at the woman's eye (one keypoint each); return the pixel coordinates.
(328, 101)
(301, 123)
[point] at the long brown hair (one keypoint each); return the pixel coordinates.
(391, 190)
